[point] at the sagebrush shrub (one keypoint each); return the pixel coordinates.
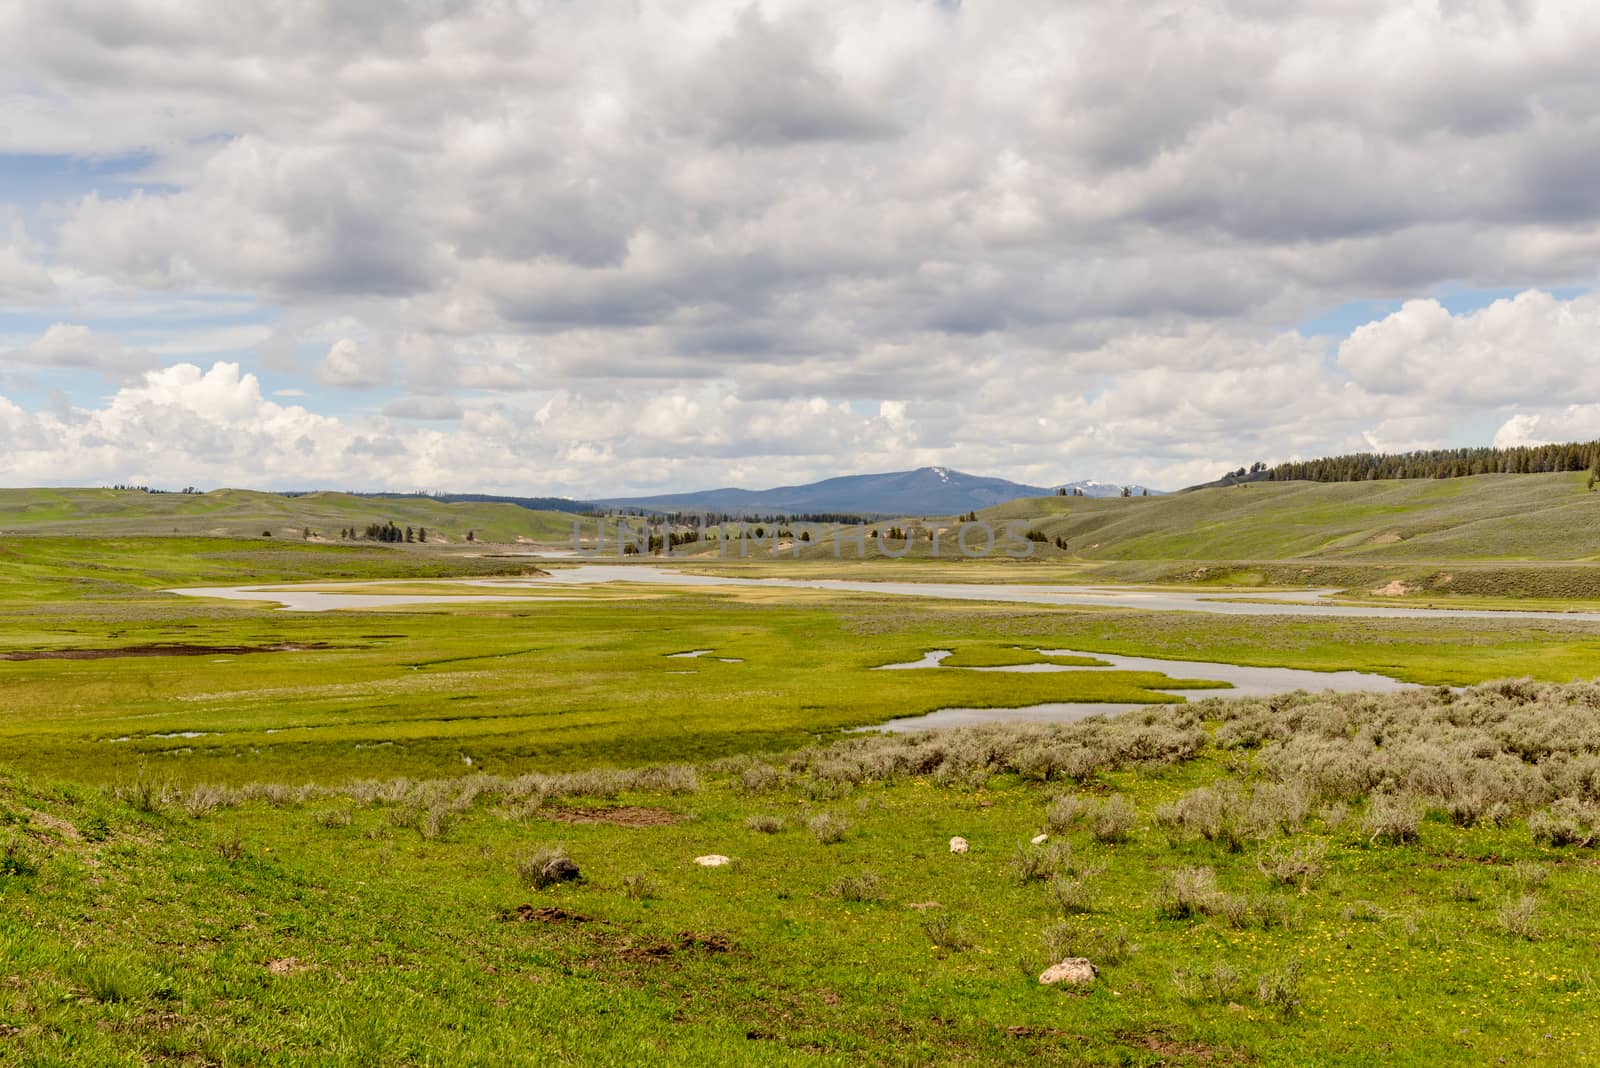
(1188, 892)
(546, 867)
(1114, 820)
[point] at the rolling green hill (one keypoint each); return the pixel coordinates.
(1484, 517)
(247, 513)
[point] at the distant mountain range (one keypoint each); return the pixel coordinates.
(925, 491)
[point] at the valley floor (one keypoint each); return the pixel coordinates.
(237, 835)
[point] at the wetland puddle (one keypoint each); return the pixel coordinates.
(161, 650)
(1245, 682)
(1315, 603)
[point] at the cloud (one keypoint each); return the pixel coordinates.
(71, 345)
(352, 365)
(22, 281)
(1575, 422)
(1531, 348)
(422, 407)
(694, 240)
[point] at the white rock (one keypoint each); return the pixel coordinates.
(1075, 970)
(958, 844)
(1040, 839)
(712, 860)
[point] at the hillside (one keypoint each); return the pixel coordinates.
(1482, 517)
(562, 919)
(925, 491)
(247, 513)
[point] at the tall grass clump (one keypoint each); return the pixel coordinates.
(1518, 917)
(946, 932)
(861, 887)
(639, 886)
(17, 859)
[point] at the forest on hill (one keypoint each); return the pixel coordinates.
(1428, 463)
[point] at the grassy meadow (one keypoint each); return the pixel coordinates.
(231, 834)
(1247, 898)
(249, 514)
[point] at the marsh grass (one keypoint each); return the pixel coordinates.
(1507, 770)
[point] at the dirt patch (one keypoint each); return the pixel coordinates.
(286, 966)
(1029, 1031)
(543, 914)
(1396, 588)
(53, 824)
(161, 650)
(683, 942)
(1164, 1045)
(1388, 537)
(624, 816)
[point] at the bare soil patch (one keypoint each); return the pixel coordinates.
(1030, 1031)
(623, 816)
(543, 914)
(1165, 1045)
(286, 966)
(659, 949)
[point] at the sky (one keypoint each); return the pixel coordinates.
(622, 246)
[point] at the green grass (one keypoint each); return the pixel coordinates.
(1008, 655)
(332, 914)
(38, 569)
(274, 933)
(536, 686)
(247, 513)
(1486, 517)
(545, 684)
